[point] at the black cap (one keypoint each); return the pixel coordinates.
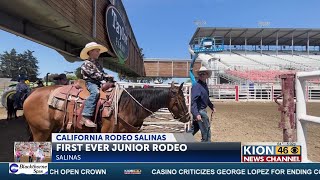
(60, 76)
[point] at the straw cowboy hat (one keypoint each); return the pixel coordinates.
(204, 69)
(90, 46)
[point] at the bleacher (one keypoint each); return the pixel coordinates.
(299, 59)
(247, 66)
(270, 58)
(260, 76)
(234, 60)
(260, 54)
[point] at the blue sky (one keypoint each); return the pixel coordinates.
(163, 28)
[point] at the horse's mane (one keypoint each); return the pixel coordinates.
(151, 98)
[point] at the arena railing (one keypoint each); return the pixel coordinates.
(301, 110)
(261, 92)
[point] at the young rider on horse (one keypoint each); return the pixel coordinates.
(93, 74)
(21, 89)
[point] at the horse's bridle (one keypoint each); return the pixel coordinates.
(180, 105)
(177, 100)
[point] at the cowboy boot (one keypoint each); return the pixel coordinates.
(87, 122)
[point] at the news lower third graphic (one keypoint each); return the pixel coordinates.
(152, 147)
(271, 152)
(155, 155)
(145, 147)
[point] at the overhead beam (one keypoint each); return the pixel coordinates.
(239, 35)
(213, 31)
(316, 42)
(255, 34)
(268, 37)
(27, 30)
(227, 33)
(310, 37)
(298, 36)
(271, 42)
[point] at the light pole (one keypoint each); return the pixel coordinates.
(47, 79)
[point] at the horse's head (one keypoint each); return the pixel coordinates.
(177, 104)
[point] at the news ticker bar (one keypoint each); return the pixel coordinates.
(146, 152)
(161, 170)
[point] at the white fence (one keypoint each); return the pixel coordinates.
(302, 95)
(257, 92)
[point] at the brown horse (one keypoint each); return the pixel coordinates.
(43, 120)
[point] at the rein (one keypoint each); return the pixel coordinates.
(152, 113)
(128, 126)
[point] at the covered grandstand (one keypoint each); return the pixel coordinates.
(254, 58)
(260, 55)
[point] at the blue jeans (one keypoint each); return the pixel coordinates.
(91, 102)
(203, 126)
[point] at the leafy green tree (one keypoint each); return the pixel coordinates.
(8, 68)
(72, 77)
(13, 64)
(30, 65)
(78, 73)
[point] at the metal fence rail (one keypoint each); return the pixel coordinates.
(303, 93)
(264, 92)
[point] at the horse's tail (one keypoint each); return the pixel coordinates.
(10, 107)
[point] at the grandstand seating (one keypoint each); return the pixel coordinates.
(268, 60)
(266, 67)
(260, 76)
(237, 61)
(299, 59)
(273, 62)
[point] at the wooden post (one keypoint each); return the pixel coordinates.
(272, 93)
(237, 93)
(287, 108)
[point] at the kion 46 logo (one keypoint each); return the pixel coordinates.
(294, 150)
(13, 168)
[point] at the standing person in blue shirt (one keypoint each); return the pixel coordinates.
(22, 89)
(199, 102)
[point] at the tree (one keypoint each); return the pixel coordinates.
(78, 73)
(141, 53)
(13, 64)
(8, 68)
(72, 77)
(30, 65)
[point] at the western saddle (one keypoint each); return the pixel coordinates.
(70, 99)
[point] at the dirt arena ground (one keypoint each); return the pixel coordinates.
(233, 122)
(256, 121)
